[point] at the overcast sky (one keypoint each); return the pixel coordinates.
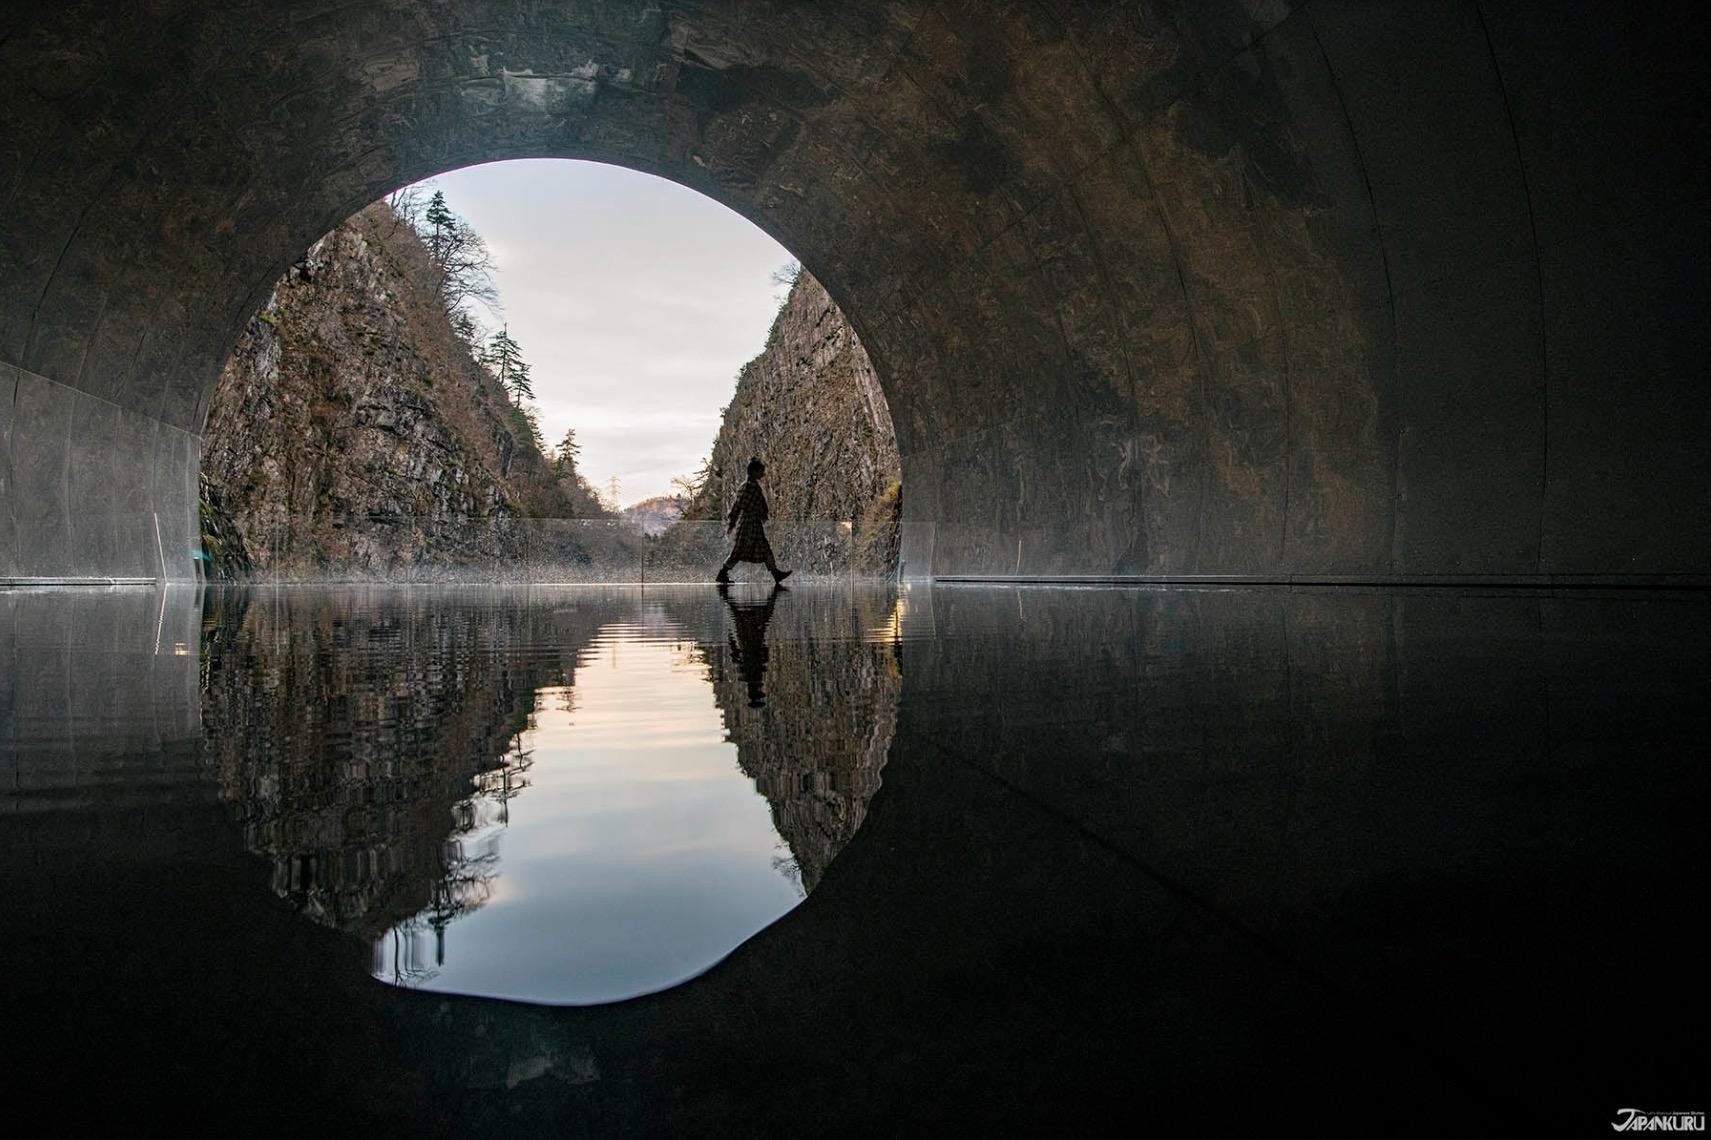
(634, 300)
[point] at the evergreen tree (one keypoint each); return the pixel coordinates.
(528, 427)
(442, 226)
(569, 451)
(463, 265)
(505, 358)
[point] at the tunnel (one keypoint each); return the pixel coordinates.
(1302, 418)
(1401, 291)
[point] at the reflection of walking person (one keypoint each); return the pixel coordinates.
(748, 519)
(748, 643)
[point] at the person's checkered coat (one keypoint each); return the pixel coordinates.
(748, 515)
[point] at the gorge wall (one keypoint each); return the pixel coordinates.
(352, 426)
(354, 435)
(811, 408)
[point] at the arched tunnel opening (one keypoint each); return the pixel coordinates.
(564, 387)
(1295, 688)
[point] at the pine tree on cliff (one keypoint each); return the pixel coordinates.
(583, 498)
(506, 359)
(462, 260)
(442, 226)
(569, 451)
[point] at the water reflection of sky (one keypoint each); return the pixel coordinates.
(638, 855)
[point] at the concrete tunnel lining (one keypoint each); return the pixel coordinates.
(1382, 291)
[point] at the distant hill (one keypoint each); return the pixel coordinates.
(654, 515)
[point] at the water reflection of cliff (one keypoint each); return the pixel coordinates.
(366, 742)
(811, 704)
(370, 739)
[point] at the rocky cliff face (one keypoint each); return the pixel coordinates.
(351, 426)
(811, 408)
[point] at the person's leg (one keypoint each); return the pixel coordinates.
(724, 574)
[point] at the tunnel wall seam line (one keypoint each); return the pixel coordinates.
(12, 583)
(65, 474)
(108, 400)
(80, 375)
(147, 134)
(1637, 581)
(11, 464)
(1539, 281)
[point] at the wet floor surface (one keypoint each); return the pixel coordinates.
(1386, 861)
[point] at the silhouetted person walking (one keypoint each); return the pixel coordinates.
(748, 518)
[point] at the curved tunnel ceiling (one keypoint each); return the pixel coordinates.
(1242, 288)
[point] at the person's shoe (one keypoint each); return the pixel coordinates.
(781, 575)
(722, 578)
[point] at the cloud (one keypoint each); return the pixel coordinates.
(635, 301)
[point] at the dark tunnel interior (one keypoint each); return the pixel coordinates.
(1293, 697)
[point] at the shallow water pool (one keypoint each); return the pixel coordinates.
(570, 796)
